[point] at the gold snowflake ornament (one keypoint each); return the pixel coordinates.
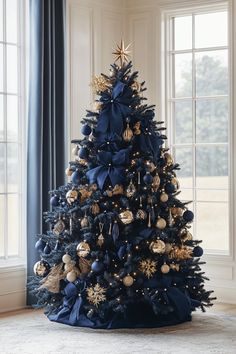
(122, 53)
(96, 294)
(100, 84)
(148, 267)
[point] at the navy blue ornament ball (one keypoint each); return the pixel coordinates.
(86, 129)
(197, 251)
(83, 153)
(47, 249)
(75, 177)
(147, 178)
(54, 201)
(40, 244)
(188, 215)
(169, 188)
(97, 266)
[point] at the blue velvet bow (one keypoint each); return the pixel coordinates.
(115, 108)
(107, 141)
(111, 165)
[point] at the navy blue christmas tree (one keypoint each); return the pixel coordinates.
(119, 252)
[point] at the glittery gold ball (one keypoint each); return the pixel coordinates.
(164, 197)
(157, 246)
(161, 223)
(176, 211)
(185, 235)
(71, 196)
(126, 217)
(128, 280)
(83, 249)
(165, 268)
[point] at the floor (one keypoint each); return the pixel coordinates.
(29, 332)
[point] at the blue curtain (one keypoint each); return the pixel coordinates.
(47, 139)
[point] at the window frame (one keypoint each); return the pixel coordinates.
(22, 74)
(167, 13)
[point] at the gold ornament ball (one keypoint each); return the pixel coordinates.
(83, 249)
(186, 236)
(161, 223)
(150, 166)
(41, 268)
(66, 258)
(128, 134)
(126, 217)
(71, 276)
(164, 197)
(176, 211)
(168, 158)
(128, 280)
(157, 246)
(71, 196)
(165, 268)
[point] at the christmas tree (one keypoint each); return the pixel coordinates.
(119, 252)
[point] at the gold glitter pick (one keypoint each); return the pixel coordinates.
(122, 53)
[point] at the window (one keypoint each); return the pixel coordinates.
(198, 114)
(12, 128)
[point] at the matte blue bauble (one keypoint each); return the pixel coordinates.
(47, 249)
(97, 266)
(83, 153)
(75, 177)
(54, 201)
(169, 188)
(148, 178)
(197, 251)
(40, 244)
(86, 129)
(188, 215)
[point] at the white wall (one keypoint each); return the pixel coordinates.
(94, 28)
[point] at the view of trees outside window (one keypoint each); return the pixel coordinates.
(200, 121)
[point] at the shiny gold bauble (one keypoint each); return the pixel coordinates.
(95, 208)
(161, 223)
(169, 159)
(164, 197)
(66, 258)
(127, 134)
(150, 167)
(168, 247)
(141, 214)
(71, 196)
(83, 249)
(176, 211)
(126, 217)
(84, 222)
(157, 246)
(165, 268)
(41, 268)
(185, 235)
(59, 227)
(71, 276)
(128, 280)
(68, 171)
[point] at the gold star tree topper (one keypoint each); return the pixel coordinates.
(122, 53)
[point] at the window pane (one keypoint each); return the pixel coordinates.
(183, 75)
(2, 166)
(12, 167)
(211, 30)
(212, 167)
(1, 67)
(212, 121)
(212, 195)
(183, 156)
(11, 21)
(1, 119)
(2, 222)
(213, 226)
(183, 32)
(1, 20)
(13, 225)
(12, 117)
(212, 73)
(183, 122)
(11, 69)
(186, 194)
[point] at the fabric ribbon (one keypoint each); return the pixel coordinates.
(115, 108)
(111, 165)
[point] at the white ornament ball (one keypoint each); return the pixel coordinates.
(71, 276)
(128, 280)
(66, 258)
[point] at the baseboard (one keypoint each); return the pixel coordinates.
(12, 301)
(223, 294)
